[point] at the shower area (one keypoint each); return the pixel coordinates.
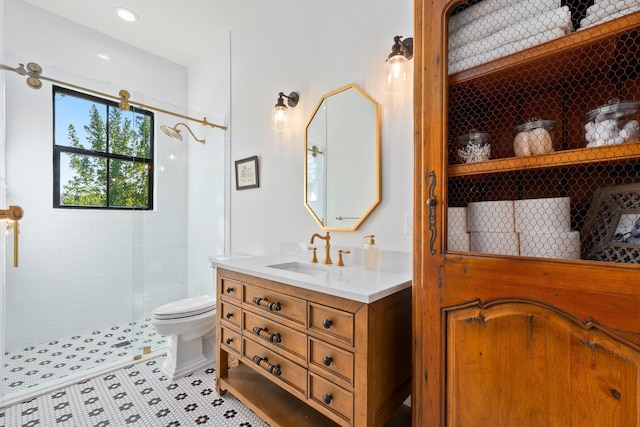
(79, 284)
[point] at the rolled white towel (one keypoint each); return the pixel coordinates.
(505, 50)
(481, 24)
(558, 18)
(591, 20)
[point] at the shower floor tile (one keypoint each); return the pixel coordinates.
(42, 363)
(138, 395)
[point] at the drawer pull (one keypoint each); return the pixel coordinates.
(327, 398)
(264, 333)
(229, 289)
(264, 364)
(327, 323)
(229, 315)
(327, 360)
(229, 341)
(263, 302)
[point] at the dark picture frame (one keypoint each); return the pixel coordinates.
(611, 230)
(247, 173)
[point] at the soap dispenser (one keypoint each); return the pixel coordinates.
(371, 254)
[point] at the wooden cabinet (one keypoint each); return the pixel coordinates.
(505, 340)
(312, 359)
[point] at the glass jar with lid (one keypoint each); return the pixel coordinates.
(534, 137)
(474, 146)
(613, 123)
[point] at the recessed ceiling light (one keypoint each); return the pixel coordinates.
(126, 14)
(103, 56)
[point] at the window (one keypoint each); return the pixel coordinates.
(102, 155)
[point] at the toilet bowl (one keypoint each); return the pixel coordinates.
(189, 326)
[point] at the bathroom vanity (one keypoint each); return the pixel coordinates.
(316, 345)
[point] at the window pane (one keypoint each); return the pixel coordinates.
(128, 184)
(79, 122)
(82, 180)
(129, 133)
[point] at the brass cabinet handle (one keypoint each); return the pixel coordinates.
(263, 362)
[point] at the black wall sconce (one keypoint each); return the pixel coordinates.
(280, 117)
(397, 64)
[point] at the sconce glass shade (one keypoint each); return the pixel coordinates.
(396, 71)
(280, 118)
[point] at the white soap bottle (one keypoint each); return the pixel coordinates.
(371, 254)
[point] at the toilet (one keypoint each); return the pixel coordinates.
(190, 328)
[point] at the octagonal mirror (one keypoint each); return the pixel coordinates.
(342, 161)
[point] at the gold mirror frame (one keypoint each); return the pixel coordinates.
(364, 124)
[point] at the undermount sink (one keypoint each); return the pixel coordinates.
(300, 267)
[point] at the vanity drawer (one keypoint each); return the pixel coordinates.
(231, 339)
(275, 303)
(331, 397)
(331, 322)
(280, 336)
(288, 372)
(325, 358)
(231, 289)
(231, 314)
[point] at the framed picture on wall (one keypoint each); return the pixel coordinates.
(247, 175)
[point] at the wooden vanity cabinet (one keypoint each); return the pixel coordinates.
(511, 340)
(311, 359)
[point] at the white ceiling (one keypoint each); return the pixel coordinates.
(176, 30)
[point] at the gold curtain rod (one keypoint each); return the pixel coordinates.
(33, 71)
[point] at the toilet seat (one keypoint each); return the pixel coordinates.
(185, 308)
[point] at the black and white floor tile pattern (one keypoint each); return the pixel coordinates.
(138, 395)
(30, 366)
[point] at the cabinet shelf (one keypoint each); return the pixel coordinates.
(581, 156)
(561, 59)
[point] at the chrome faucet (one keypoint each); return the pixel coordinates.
(327, 246)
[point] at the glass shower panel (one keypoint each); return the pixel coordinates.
(69, 306)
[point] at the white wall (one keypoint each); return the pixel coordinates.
(313, 48)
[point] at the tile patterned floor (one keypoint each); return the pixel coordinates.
(30, 366)
(138, 395)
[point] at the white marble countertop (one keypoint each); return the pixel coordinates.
(353, 282)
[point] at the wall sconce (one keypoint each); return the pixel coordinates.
(280, 116)
(397, 64)
(174, 132)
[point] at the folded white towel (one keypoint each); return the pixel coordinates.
(604, 2)
(558, 18)
(479, 21)
(506, 50)
(611, 6)
(591, 20)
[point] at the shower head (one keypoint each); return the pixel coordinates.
(174, 133)
(171, 132)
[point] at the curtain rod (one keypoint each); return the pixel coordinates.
(34, 73)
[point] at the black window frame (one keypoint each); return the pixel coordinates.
(59, 149)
